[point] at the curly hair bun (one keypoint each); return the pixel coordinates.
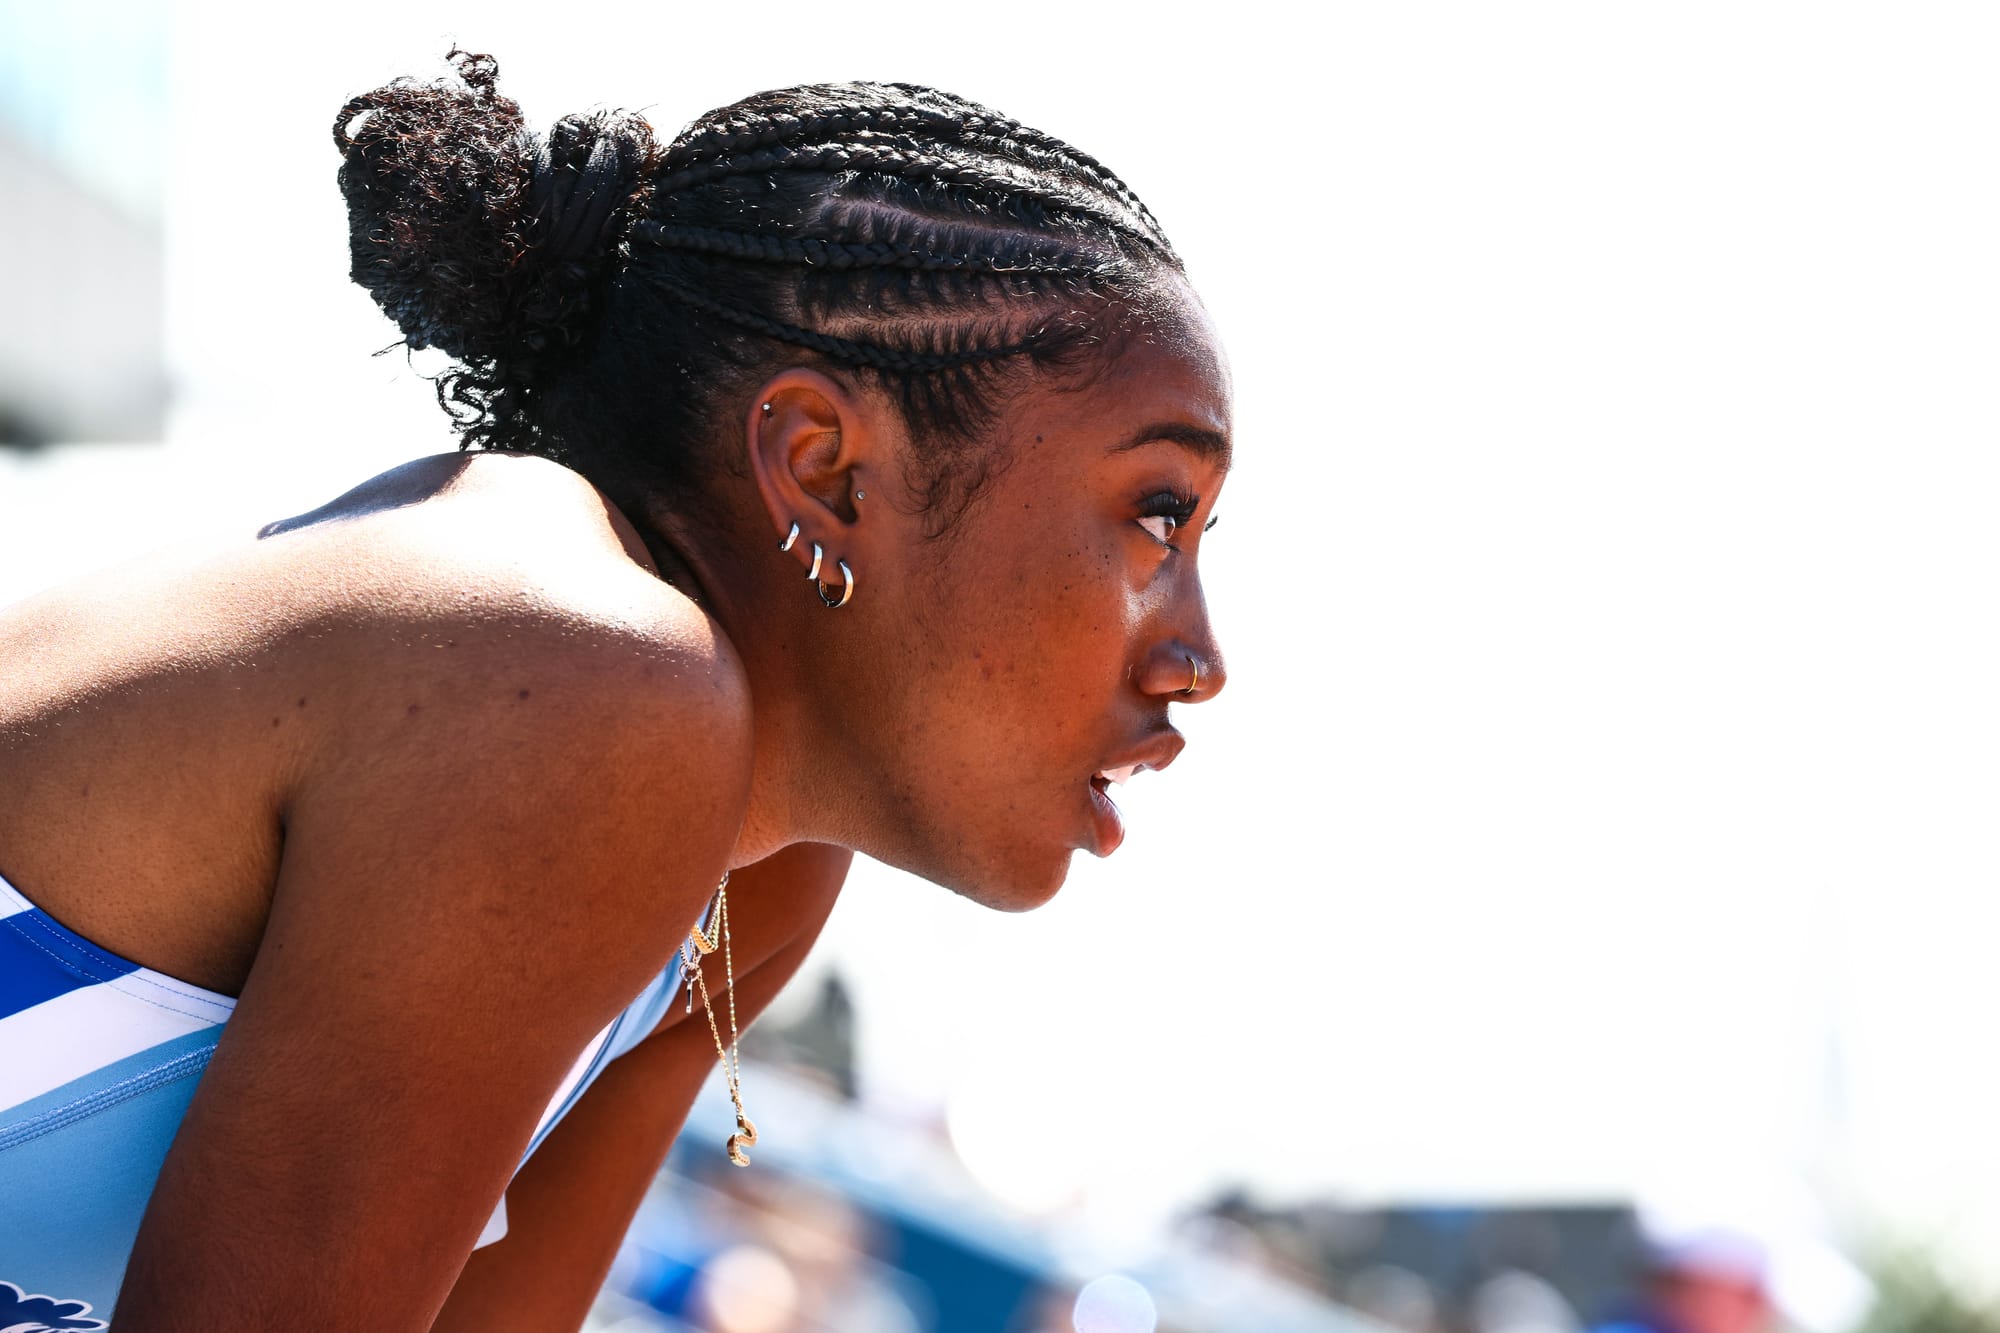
(472, 236)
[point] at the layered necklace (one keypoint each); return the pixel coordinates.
(693, 950)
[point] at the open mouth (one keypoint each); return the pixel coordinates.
(1105, 779)
(1109, 824)
(1151, 753)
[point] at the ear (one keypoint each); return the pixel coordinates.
(813, 445)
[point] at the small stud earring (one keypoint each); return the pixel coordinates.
(861, 495)
(767, 409)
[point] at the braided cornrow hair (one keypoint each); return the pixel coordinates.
(611, 302)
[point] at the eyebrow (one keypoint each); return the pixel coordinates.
(1207, 445)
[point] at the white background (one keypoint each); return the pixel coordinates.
(1605, 789)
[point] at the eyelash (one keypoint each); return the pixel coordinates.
(1171, 504)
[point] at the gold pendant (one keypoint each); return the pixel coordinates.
(745, 1137)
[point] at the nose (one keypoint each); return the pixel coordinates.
(1185, 671)
(1184, 662)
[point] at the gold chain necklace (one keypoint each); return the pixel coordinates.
(718, 936)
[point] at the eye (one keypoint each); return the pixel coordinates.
(1162, 515)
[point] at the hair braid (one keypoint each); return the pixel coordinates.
(822, 252)
(1007, 137)
(851, 351)
(946, 119)
(1031, 144)
(1006, 132)
(909, 163)
(750, 134)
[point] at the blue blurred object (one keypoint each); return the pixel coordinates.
(886, 1233)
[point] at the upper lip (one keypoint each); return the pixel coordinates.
(1156, 753)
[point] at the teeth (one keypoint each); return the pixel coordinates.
(1118, 776)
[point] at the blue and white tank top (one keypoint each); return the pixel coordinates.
(99, 1058)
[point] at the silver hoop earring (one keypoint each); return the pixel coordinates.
(813, 573)
(846, 591)
(1194, 684)
(790, 537)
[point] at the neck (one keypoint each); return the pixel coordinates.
(770, 622)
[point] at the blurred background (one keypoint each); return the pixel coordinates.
(1579, 910)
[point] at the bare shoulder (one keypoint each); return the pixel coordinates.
(463, 633)
(447, 567)
(494, 652)
(487, 603)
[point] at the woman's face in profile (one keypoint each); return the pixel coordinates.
(1054, 624)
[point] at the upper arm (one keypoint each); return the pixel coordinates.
(480, 868)
(572, 1202)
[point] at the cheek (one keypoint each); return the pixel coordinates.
(1019, 619)
(1058, 647)
(1033, 603)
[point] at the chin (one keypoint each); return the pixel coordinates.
(990, 850)
(1011, 883)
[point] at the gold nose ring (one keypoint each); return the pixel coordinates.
(1194, 684)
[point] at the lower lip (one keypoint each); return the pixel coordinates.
(1110, 826)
